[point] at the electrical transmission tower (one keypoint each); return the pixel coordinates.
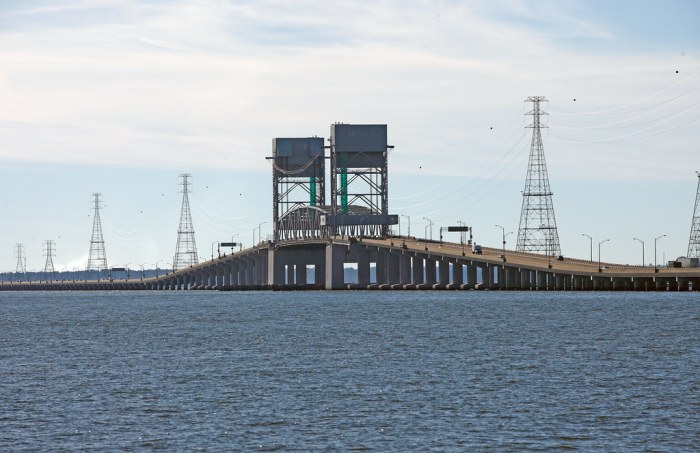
(694, 242)
(21, 268)
(186, 249)
(48, 251)
(538, 227)
(97, 260)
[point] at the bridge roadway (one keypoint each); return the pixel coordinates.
(399, 263)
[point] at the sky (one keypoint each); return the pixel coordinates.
(122, 96)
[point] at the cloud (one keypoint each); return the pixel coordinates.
(210, 83)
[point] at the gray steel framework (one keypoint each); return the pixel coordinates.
(97, 259)
(48, 251)
(186, 248)
(359, 179)
(21, 267)
(538, 227)
(694, 241)
(298, 182)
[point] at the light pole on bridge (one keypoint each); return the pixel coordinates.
(590, 239)
(642, 242)
(212, 249)
(656, 269)
(408, 217)
(429, 225)
(259, 235)
(504, 234)
(601, 242)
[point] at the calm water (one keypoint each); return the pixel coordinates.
(317, 371)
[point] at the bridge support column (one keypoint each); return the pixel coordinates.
(393, 269)
(486, 276)
(290, 274)
(559, 282)
(417, 270)
(471, 277)
(457, 276)
(363, 267)
(300, 274)
(659, 284)
(220, 272)
(510, 282)
(525, 282)
(335, 271)
(236, 273)
(405, 264)
(275, 267)
(541, 280)
(260, 267)
(443, 274)
(430, 272)
(319, 273)
(380, 268)
(673, 284)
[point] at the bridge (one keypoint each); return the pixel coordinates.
(314, 242)
(393, 263)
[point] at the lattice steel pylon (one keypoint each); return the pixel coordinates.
(48, 252)
(186, 249)
(694, 241)
(21, 259)
(97, 259)
(538, 227)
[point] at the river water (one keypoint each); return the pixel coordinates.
(320, 371)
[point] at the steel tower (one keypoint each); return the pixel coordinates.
(359, 180)
(538, 227)
(97, 260)
(298, 181)
(186, 249)
(694, 242)
(48, 267)
(21, 260)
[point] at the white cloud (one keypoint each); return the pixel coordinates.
(209, 79)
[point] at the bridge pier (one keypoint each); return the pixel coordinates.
(405, 273)
(418, 269)
(457, 276)
(363, 267)
(335, 271)
(430, 273)
(443, 274)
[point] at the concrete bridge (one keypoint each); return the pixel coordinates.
(314, 241)
(394, 263)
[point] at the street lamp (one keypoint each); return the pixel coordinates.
(656, 239)
(259, 236)
(157, 269)
(212, 249)
(408, 217)
(143, 272)
(642, 242)
(601, 242)
(504, 234)
(429, 225)
(590, 239)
